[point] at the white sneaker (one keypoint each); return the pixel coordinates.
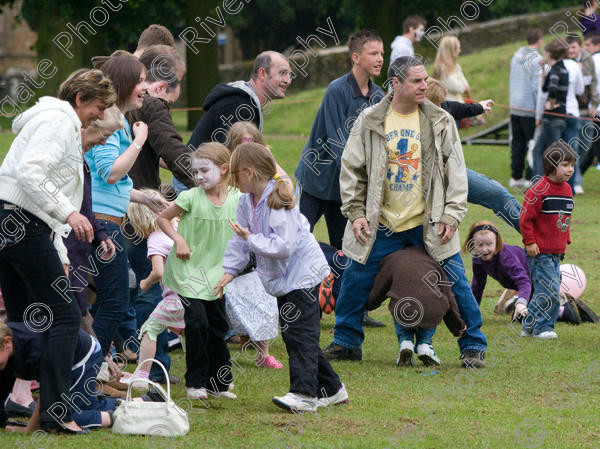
(405, 355)
(427, 355)
(578, 190)
(138, 383)
(223, 394)
(518, 182)
(341, 397)
(547, 335)
(525, 333)
(598, 166)
(195, 393)
(296, 402)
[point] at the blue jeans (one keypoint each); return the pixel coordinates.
(358, 279)
(486, 192)
(544, 271)
(572, 131)
(178, 185)
(127, 331)
(146, 302)
(414, 334)
(112, 286)
(552, 130)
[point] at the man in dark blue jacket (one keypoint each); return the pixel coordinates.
(318, 171)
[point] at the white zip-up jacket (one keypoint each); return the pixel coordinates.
(43, 170)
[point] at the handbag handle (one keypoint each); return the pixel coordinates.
(166, 396)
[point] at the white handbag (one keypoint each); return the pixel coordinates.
(150, 418)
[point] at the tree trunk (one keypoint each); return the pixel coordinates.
(201, 57)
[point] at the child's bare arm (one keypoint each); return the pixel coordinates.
(158, 266)
(164, 222)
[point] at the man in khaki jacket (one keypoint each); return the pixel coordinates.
(403, 182)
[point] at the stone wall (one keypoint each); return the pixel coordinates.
(332, 63)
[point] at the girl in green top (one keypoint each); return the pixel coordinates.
(195, 266)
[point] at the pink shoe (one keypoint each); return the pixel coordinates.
(269, 362)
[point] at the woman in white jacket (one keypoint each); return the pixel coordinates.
(41, 189)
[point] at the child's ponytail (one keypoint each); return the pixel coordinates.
(260, 160)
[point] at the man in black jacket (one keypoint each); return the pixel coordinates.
(228, 103)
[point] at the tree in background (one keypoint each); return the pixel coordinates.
(124, 23)
(275, 24)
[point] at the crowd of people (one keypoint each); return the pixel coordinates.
(231, 235)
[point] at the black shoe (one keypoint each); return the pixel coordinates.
(337, 352)
(55, 427)
(587, 314)
(370, 322)
(570, 313)
(173, 380)
(12, 409)
(152, 395)
(472, 358)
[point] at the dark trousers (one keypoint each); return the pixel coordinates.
(86, 397)
(310, 371)
(206, 350)
(112, 289)
(146, 302)
(313, 208)
(29, 264)
(588, 158)
(523, 129)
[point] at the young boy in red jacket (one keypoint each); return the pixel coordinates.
(545, 222)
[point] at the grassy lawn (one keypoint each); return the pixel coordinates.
(521, 400)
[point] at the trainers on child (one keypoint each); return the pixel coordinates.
(427, 355)
(578, 190)
(223, 394)
(341, 397)
(338, 352)
(407, 348)
(195, 393)
(269, 362)
(297, 402)
(521, 182)
(546, 335)
(525, 333)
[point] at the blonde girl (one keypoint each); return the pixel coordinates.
(194, 267)
(169, 311)
(448, 71)
(289, 261)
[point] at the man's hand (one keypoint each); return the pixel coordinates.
(532, 249)
(108, 249)
(226, 279)
(361, 230)
(447, 232)
(487, 106)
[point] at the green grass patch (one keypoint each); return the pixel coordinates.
(455, 408)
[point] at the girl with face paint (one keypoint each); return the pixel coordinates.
(195, 265)
(506, 264)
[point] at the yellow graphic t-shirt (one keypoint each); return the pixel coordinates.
(403, 201)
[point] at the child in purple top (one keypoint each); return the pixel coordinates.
(588, 19)
(289, 261)
(506, 264)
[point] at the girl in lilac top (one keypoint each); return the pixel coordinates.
(289, 261)
(504, 263)
(588, 19)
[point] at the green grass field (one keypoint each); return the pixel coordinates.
(533, 393)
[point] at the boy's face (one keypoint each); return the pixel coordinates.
(6, 352)
(574, 49)
(563, 171)
(590, 47)
(370, 58)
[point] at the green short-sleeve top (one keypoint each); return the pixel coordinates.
(206, 230)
